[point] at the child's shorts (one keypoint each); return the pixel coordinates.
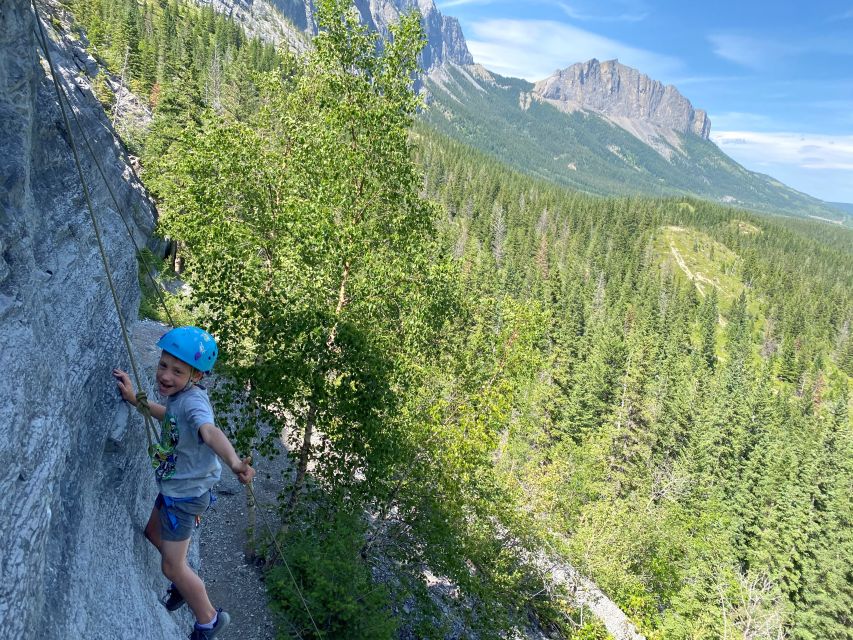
(178, 516)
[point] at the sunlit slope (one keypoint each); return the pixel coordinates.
(707, 263)
(586, 152)
(713, 267)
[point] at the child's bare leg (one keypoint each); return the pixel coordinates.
(152, 528)
(176, 569)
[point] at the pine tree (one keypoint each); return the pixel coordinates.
(708, 319)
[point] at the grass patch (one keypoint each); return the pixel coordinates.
(709, 264)
(704, 261)
(745, 228)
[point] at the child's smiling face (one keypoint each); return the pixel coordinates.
(174, 375)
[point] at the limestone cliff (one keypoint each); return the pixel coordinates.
(74, 478)
(646, 108)
(282, 22)
(445, 42)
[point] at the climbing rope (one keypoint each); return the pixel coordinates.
(139, 254)
(272, 535)
(149, 425)
(141, 398)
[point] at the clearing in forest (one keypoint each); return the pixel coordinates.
(746, 228)
(705, 262)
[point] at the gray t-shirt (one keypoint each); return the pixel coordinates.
(184, 465)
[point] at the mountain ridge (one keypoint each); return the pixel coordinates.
(657, 116)
(587, 151)
(644, 107)
(263, 18)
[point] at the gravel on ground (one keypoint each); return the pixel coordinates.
(233, 583)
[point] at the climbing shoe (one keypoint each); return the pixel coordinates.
(173, 600)
(222, 621)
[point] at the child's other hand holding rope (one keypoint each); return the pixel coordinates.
(244, 470)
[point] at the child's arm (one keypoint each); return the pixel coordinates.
(125, 387)
(216, 440)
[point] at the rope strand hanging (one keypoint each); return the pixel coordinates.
(272, 535)
(142, 400)
(139, 254)
(149, 426)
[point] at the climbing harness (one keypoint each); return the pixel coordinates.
(141, 397)
(167, 503)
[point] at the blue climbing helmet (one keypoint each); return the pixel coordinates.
(192, 345)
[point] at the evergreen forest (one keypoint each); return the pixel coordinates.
(475, 367)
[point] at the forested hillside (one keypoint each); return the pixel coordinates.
(475, 365)
(505, 118)
(688, 441)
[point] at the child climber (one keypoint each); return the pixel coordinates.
(186, 465)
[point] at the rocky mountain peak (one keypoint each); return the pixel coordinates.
(646, 108)
(445, 42)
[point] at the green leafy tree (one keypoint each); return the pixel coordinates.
(311, 212)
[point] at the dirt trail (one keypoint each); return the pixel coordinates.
(233, 584)
(697, 277)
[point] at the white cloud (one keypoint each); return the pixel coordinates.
(762, 53)
(740, 120)
(820, 165)
(808, 151)
(584, 10)
(458, 3)
(705, 80)
(534, 49)
(847, 15)
(629, 12)
(747, 51)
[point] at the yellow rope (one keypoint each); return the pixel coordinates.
(139, 254)
(145, 409)
(141, 397)
(59, 94)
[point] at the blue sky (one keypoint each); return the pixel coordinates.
(776, 78)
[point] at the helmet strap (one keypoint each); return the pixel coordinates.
(191, 381)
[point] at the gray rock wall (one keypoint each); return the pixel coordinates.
(74, 475)
(445, 42)
(612, 89)
(281, 22)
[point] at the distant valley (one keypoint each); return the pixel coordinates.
(599, 127)
(617, 133)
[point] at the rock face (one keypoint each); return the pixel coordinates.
(644, 107)
(612, 89)
(74, 476)
(282, 22)
(445, 42)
